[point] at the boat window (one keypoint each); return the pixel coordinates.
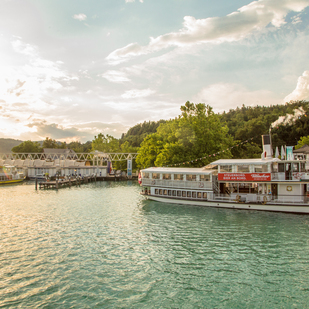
(226, 168)
(243, 168)
(205, 195)
(302, 167)
(160, 191)
(295, 167)
(155, 176)
(260, 168)
(169, 192)
(178, 193)
(191, 177)
(194, 194)
(205, 177)
(167, 176)
(199, 194)
(145, 175)
(178, 177)
(165, 192)
(274, 167)
(174, 192)
(188, 194)
(184, 194)
(244, 187)
(157, 191)
(281, 167)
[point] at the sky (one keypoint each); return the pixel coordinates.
(72, 69)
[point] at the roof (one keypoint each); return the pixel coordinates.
(243, 161)
(176, 170)
(303, 149)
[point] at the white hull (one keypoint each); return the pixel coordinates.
(301, 208)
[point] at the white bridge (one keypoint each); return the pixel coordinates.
(97, 157)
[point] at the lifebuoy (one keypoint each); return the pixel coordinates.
(153, 182)
(201, 185)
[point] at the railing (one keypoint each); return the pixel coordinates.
(262, 198)
(198, 185)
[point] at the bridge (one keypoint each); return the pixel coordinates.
(96, 156)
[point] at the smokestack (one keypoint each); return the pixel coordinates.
(267, 148)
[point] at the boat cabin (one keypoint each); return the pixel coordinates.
(255, 178)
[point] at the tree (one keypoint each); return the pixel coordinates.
(49, 143)
(196, 133)
(304, 140)
(106, 143)
(28, 147)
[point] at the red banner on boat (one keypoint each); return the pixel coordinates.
(244, 176)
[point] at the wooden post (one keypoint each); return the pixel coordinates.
(36, 183)
(56, 183)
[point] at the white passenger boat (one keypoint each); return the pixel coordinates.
(10, 175)
(267, 184)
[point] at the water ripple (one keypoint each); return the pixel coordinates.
(101, 245)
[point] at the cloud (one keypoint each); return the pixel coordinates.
(115, 76)
(136, 93)
(301, 92)
(230, 28)
(223, 97)
(31, 81)
(80, 17)
(81, 132)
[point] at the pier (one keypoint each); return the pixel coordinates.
(61, 183)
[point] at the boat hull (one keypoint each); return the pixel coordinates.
(289, 208)
(11, 181)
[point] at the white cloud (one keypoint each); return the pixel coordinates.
(301, 92)
(136, 93)
(80, 17)
(28, 89)
(232, 27)
(115, 76)
(223, 97)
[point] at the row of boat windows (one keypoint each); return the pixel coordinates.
(244, 168)
(187, 177)
(256, 188)
(263, 168)
(178, 193)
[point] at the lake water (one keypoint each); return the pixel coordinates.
(102, 245)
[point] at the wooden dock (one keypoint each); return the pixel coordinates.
(61, 183)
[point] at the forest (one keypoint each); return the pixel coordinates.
(198, 135)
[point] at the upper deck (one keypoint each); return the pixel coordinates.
(191, 178)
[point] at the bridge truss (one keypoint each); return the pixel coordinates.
(93, 156)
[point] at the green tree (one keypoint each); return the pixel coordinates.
(28, 147)
(304, 140)
(106, 143)
(49, 143)
(196, 133)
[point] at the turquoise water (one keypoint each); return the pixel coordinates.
(102, 246)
